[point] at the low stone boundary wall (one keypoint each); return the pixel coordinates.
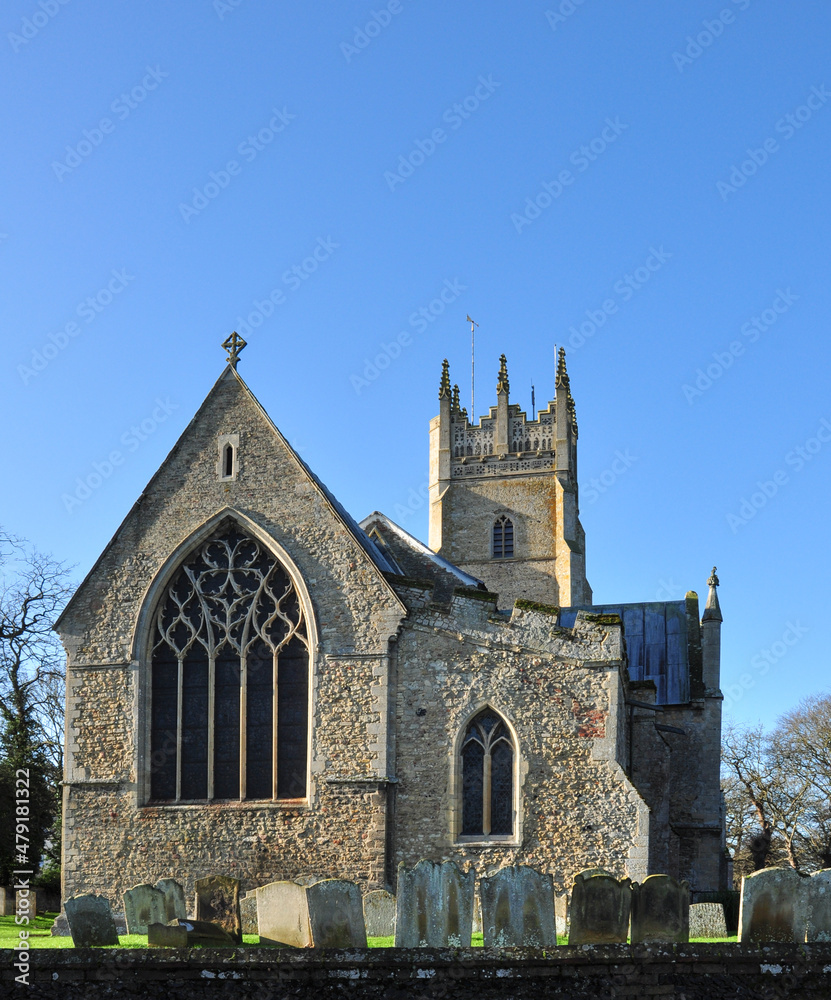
(691, 972)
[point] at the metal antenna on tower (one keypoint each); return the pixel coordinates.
(533, 404)
(472, 356)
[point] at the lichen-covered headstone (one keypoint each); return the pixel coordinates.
(143, 905)
(248, 913)
(283, 915)
(660, 910)
(379, 913)
(707, 921)
(91, 921)
(434, 906)
(819, 906)
(164, 936)
(174, 898)
(6, 902)
(600, 908)
(336, 915)
(774, 906)
(217, 901)
(518, 909)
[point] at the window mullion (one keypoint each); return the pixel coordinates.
(486, 794)
(179, 701)
(243, 729)
(211, 709)
(274, 734)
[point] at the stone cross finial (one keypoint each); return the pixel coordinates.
(713, 581)
(502, 384)
(233, 345)
(562, 374)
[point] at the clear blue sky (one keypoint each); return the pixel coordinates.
(656, 172)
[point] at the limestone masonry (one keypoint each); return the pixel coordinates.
(259, 687)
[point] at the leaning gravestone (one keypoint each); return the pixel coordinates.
(600, 908)
(819, 906)
(174, 898)
(434, 906)
(379, 913)
(217, 901)
(91, 921)
(200, 932)
(774, 906)
(518, 909)
(248, 913)
(707, 920)
(660, 910)
(162, 936)
(143, 905)
(283, 915)
(336, 916)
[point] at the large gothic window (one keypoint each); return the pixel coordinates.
(487, 777)
(229, 678)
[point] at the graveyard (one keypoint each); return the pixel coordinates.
(445, 932)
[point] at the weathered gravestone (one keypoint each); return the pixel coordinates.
(600, 908)
(199, 932)
(819, 906)
(217, 901)
(307, 880)
(143, 905)
(561, 913)
(660, 910)
(283, 914)
(774, 906)
(707, 920)
(379, 913)
(434, 906)
(26, 902)
(336, 915)
(91, 921)
(477, 913)
(248, 913)
(61, 926)
(164, 936)
(6, 902)
(174, 898)
(518, 909)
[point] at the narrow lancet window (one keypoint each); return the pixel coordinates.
(503, 538)
(228, 461)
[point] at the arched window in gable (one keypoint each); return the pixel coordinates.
(487, 772)
(503, 538)
(229, 678)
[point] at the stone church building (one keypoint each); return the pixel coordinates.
(259, 686)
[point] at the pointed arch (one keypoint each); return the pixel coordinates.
(485, 778)
(225, 643)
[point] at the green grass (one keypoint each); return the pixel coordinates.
(40, 937)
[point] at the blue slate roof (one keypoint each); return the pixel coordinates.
(656, 644)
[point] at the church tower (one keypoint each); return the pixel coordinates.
(503, 494)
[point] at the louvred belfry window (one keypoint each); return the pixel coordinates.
(503, 538)
(229, 678)
(487, 778)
